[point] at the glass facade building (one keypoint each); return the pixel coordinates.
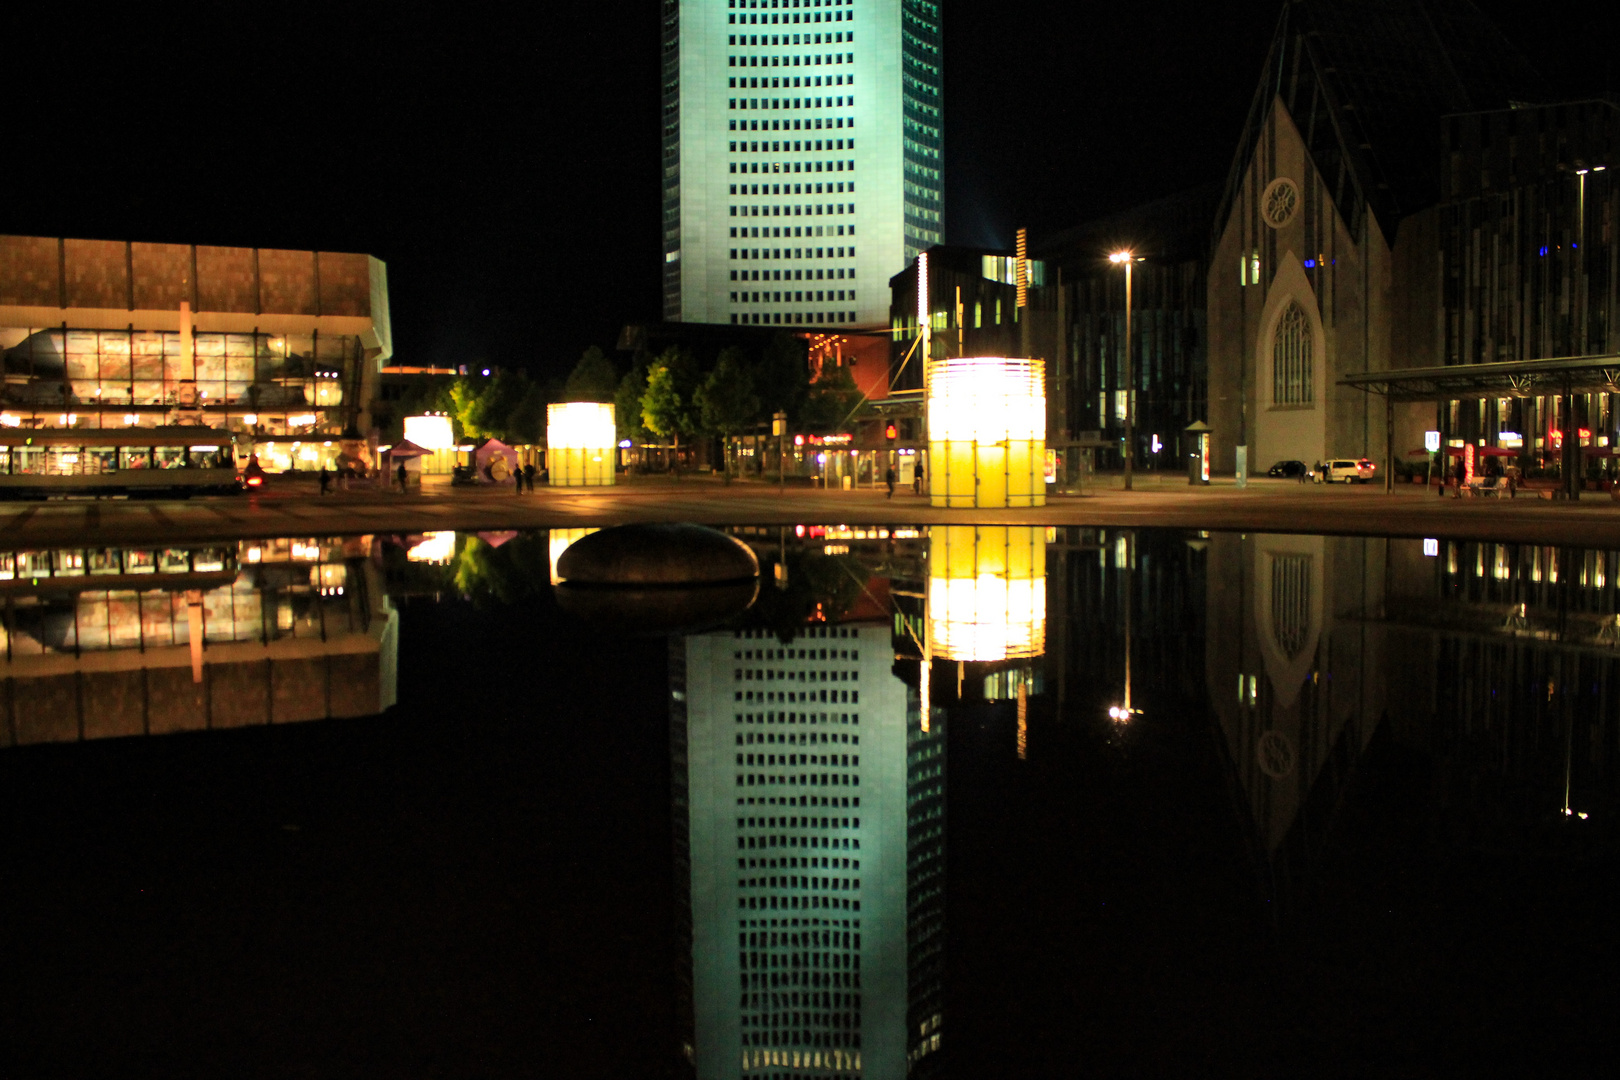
(285, 345)
(802, 157)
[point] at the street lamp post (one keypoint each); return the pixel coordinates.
(1127, 258)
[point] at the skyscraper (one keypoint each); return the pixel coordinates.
(802, 157)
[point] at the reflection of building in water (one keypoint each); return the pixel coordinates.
(129, 641)
(1295, 673)
(1510, 665)
(805, 791)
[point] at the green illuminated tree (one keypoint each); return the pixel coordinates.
(668, 409)
(627, 404)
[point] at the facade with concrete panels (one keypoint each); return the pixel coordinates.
(109, 333)
(802, 157)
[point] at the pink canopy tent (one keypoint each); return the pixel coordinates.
(486, 456)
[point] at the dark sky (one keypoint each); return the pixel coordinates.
(506, 167)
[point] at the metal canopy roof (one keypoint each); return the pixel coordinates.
(1512, 378)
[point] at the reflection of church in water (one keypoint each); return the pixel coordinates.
(809, 822)
(154, 639)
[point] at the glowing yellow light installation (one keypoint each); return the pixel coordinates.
(987, 592)
(986, 431)
(560, 540)
(436, 547)
(429, 432)
(580, 441)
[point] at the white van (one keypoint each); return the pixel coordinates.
(1349, 470)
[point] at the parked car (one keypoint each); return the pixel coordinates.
(1349, 470)
(1288, 469)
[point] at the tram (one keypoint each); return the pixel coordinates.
(134, 462)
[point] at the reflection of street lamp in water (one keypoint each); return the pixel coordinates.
(1122, 714)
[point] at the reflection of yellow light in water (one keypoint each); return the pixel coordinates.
(560, 541)
(987, 592)
(580, 437)
(436, 547)
(986, 432)
(1023, 721)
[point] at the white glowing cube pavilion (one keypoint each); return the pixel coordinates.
(986, 431)
(987, 592)
(429, 432)
(581, 438)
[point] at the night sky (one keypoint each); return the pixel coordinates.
(506, 167)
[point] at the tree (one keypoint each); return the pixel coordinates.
(726, 401)
(668, 407)
(832, 399)
(593, 378)
(662, 411)
(627, 403)
(783, 375)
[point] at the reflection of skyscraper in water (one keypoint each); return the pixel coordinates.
(804, 789)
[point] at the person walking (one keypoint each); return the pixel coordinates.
(528, 476)
(326, 480)
(917, 478)
(888, 479)
(399, 474)
(517, 476)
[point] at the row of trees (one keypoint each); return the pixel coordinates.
(673, 397)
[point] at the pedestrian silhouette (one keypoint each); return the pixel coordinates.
(888, 479)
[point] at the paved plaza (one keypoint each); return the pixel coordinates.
(1265, 506)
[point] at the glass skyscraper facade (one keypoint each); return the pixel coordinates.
(802, 157)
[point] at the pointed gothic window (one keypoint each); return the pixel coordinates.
(1291, 358)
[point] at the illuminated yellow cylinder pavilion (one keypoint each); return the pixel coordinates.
(986, 431)
(580, 441)
(986, 592)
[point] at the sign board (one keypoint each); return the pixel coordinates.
(1431, 441)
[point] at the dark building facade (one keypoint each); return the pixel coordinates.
(1078, 324)
(1528, 265)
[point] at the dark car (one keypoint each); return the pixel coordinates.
(1287, 469)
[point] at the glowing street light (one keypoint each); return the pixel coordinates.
(581, 437)
(1126, 258)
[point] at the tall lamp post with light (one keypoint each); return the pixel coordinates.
(1126, 258)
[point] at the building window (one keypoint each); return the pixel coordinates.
(1291, 358)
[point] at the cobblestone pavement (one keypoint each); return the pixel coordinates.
(1264, 507)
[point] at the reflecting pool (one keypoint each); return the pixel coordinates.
(967, 801)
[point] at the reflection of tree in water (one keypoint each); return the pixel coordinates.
(478, 571)
(486, 575)
(820, 587)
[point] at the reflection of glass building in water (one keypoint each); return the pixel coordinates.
(103, 642)
(809, 810)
